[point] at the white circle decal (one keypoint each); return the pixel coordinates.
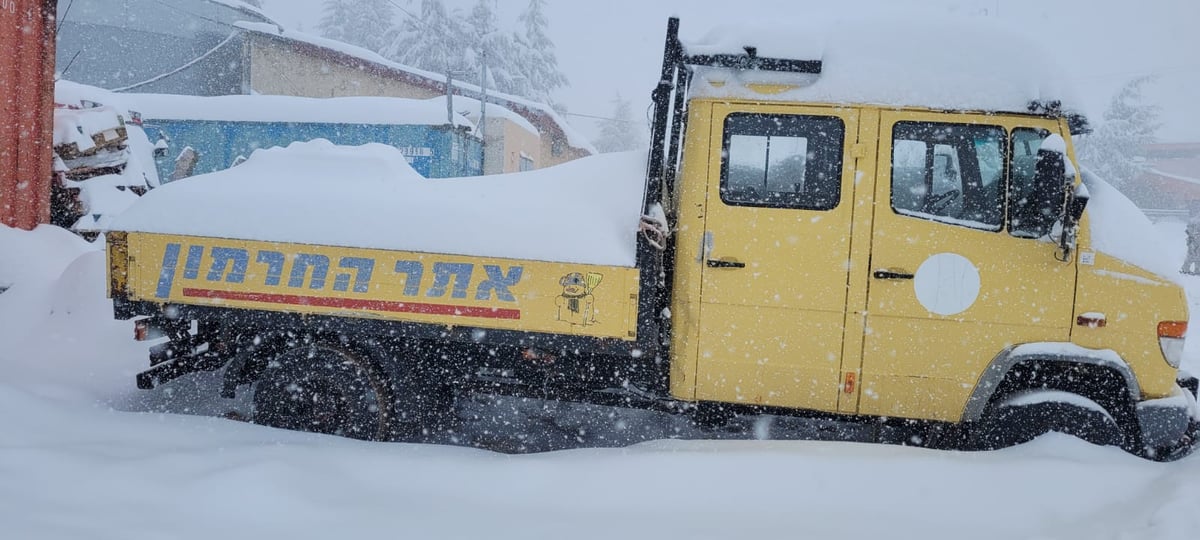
(947, 284)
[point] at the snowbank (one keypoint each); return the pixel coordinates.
(58, 339)
(585, 211)
(75, 467)
(939, 63)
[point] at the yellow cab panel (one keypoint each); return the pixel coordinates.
(769, 253)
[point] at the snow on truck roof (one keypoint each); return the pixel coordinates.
(586, 211)
(937, 63)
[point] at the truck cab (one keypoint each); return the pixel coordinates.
(901, 260)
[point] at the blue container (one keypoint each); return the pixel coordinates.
(434, 151)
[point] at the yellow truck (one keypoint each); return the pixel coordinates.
(931, 267)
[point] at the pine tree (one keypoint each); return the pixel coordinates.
(366, 23)
(435, 41)
(1114, 150)
(537, 62)
(493, 47)
(621, 132)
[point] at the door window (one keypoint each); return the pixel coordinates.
(782, 161)
(949, 172)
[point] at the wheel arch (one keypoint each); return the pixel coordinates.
(1052, 358)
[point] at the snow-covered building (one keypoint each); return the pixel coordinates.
(1171, 177)
(226, 47)
(292, 63)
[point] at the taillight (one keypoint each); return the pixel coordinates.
(1171, 336)
(141, 330)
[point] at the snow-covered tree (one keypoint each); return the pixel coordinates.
(537, 61)
(1114, 150)
(621, 132)
(435, 40)
(493, 47)
(366, 23)
(255, 3)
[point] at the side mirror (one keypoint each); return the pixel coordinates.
(1077, 204)
(1045, 203)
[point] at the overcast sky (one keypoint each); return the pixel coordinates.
(615, 46)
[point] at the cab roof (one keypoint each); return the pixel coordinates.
(936, 63)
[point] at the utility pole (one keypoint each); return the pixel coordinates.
(483, 110)
(449, 98)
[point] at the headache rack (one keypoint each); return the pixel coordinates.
(676, 73)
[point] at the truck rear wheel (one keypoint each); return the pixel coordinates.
(324, 389)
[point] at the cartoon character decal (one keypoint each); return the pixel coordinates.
(576, 305)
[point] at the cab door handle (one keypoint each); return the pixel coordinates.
(892, 274)
(725, 264)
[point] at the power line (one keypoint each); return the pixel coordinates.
(594, 117)
(186, 12)
(180, 68)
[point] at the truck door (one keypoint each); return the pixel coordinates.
(954, 277)
(774, 255)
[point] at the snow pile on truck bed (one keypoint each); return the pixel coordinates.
(940, 63)
(586, 211)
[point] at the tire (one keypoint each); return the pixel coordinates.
(1018, 420)
(326, 389)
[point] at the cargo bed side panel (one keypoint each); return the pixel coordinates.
(446, 290)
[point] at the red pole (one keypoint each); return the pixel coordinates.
(27, 30)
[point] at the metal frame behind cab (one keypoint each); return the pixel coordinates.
(673, 82)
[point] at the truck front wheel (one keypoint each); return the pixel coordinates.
(1026, 415)
(324, 389)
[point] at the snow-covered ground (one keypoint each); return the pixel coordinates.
(85, 455)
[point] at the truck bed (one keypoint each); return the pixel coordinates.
(446, 290)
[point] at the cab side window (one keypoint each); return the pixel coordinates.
(950, 173)
(782, 161)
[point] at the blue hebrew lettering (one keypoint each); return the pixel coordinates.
(413, 271)
(166, 276)
(320, 266)
(443, 271)
(274, 261)
(221, 259)
(499, 282)
(362, 278)
(191, 268)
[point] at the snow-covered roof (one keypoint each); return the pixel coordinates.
(259, 108)
(1173, 176)
(573, 137)
(940, 63)
(469, 107)
(361, 196)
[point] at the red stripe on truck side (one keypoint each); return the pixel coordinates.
(364, 305)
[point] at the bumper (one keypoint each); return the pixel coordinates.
(1168, 421)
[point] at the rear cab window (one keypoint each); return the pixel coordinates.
(782, 161)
